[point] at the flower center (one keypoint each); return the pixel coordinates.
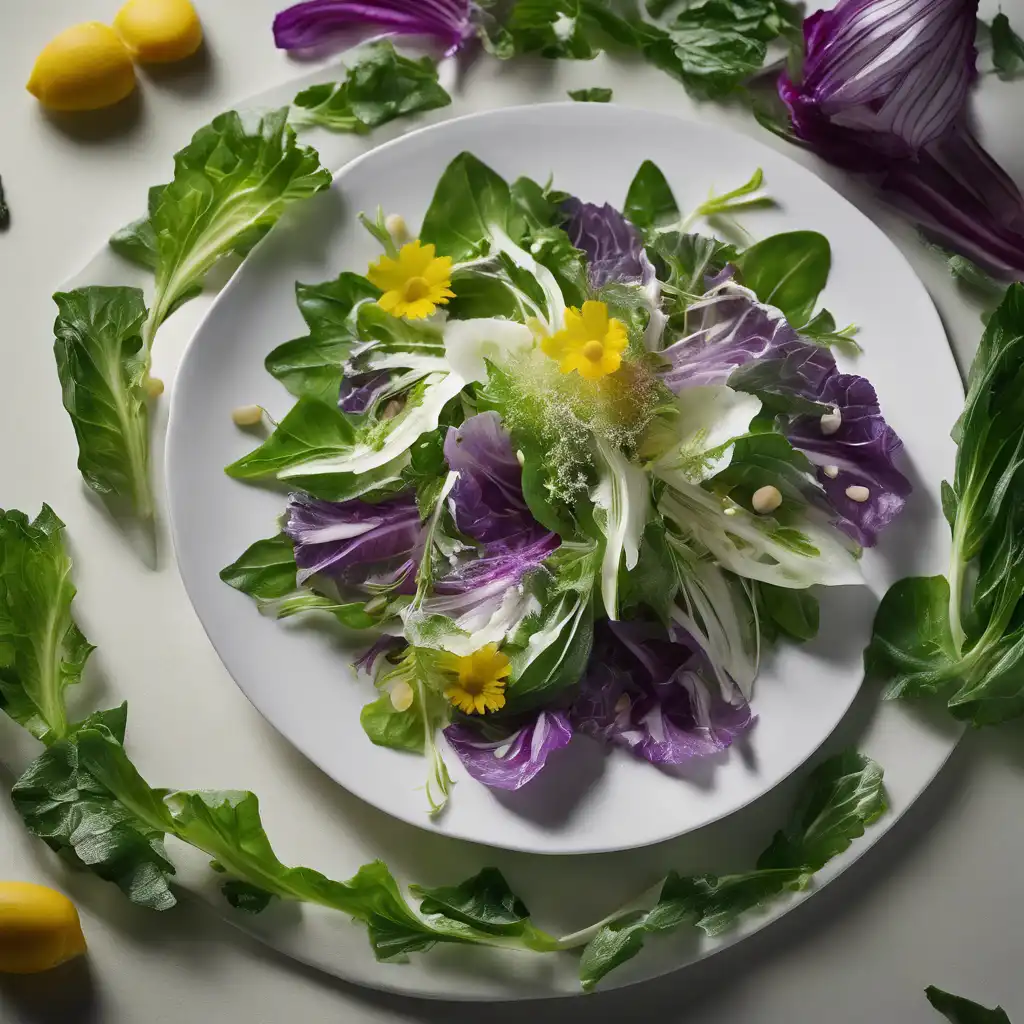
(416, 288)
(473, 685)
(593, 350)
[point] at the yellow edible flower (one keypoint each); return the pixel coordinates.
(39, 928)
(481, 680)
(591, 343)
(415, 284)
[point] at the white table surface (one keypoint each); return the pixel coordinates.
(938, 901)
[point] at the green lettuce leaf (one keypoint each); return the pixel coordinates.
(42, 650)
(841, 797)
(231, 184)
(789, 271)
(312, 365)
(380, 87)
(77, 814)
(649, 201)
(958, 1010)
(595, 94)
(1007, 48)
(963, 636)
(102, 368)
(469, 203)
(266, 570)
(487, 904)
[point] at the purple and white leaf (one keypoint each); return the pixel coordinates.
(511, 761)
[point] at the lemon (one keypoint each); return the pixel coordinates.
(84, 68)
(159, 31)
(39, 928)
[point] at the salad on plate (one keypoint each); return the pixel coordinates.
(574, 467)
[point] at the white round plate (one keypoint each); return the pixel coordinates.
(589, 799)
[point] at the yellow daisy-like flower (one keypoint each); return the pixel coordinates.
(415, 284)
(481, 680)
(591, 343)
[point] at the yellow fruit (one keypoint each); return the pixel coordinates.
(159, 31)
(39, 928)
(84, 68)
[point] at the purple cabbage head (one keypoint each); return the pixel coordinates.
(614, 248)
(882, 77)
(641, 691)
(883, 90)
(307, 25)
(487, 498)
(356, 543)
(751, 346)
(511, 761)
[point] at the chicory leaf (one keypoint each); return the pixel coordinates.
(958, 1010)
(595, 94)
(1007, 48)
(380, 87)
(231, 185)
(963, 636)
(102, 368)
(840, 798)
(42, 650)
(67, 806)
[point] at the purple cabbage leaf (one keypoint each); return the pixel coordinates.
(750, 345)
(307, 26)
(374, 547)
(642, 691)
(512, 760)
(614, 248)
(487, 499)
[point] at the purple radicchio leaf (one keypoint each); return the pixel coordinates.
(883, 91)
(487, 498)
(882, 77)
(860, 453)
(306, 26)
(642, 691)
(511, 761)
(381, 646)
(753, 348)
(730, 329)
(483, 581)
(360, 390)
(356, 543)
(614, 248)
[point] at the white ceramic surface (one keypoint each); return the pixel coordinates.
(299, 677)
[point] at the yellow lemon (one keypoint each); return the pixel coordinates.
(39, 928)
(159, 31)
(84, 68)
